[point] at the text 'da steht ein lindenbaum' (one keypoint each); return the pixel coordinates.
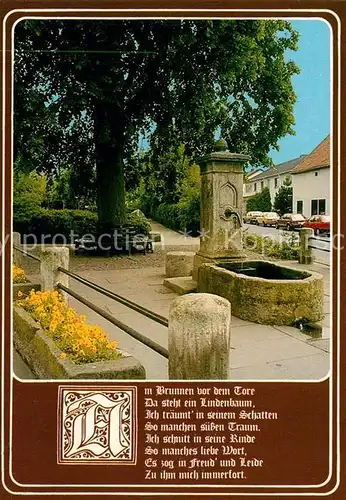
(202, 433)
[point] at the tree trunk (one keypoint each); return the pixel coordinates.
(109, 148)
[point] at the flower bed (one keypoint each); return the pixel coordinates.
(56, 342)
(21, 285)
(18, 275)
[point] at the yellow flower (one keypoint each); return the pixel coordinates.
(18, 275)
(77, 340)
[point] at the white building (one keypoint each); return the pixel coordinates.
(272, 178)
(311, 182)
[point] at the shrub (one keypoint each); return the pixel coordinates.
(189, 204)
(79, 341)
(29, 191)
(284, 250)
(81, 222)
(18, 275)
(261, 202)
(133, 199)
(167, 214)
(183, 215)
(141, 224)
(189, 213)
(51, 222)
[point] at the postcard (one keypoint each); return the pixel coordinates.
(171, 250)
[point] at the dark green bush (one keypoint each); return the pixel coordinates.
(81, 222)
(29, 191)
(182, 216)
(51, 221)
(189, 214)
(141, 224)
(288, 249)
(168, 215)
(260, 201)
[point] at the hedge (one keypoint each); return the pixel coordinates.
(183, 216)
(81, 222)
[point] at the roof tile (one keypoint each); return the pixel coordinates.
(319, 158)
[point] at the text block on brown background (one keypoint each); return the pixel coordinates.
(264, 433)
(293, 449)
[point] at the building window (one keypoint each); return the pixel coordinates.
(316, 174)
(255, 187)
(262, 185)
(322, 207)
(318, 207)
(299, 207)
(276, 182)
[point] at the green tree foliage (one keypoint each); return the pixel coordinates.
(190, 200)
(84, 90)
(283, 198)
(29, 192)
(261, 202)
(68, 190)
(164, 173)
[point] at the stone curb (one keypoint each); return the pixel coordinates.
(25, 288)
(43, 356)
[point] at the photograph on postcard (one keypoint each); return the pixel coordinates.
(172, 199)
(172, 275)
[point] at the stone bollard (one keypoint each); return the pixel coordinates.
(17, 256)
(305, 252)
(199, 337)
(179, 264)
(51, 259)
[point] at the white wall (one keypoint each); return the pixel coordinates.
(269, 182)
(307, 186)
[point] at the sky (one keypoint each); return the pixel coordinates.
(312, 87)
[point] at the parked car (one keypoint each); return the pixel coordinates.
(251, 217)
(267, 219)
(319, 223)
(290, 222)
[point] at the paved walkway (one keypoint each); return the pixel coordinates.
(173, 238)
(258, 352)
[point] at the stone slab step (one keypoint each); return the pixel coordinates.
(181, 285)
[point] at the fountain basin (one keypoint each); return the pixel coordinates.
(264, 292)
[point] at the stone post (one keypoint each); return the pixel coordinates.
(221, 206)
(51, 259)
(17, 256)
(179, 264)
(199, 337)
(305, 252)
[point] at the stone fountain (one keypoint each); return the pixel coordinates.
(259, 291)
(221, 206)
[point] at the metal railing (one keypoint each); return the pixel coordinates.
(319, 248)
(138, 336)
(26, 253)
(123, 300)
(118, 298)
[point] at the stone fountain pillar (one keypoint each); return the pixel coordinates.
(221, 206)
